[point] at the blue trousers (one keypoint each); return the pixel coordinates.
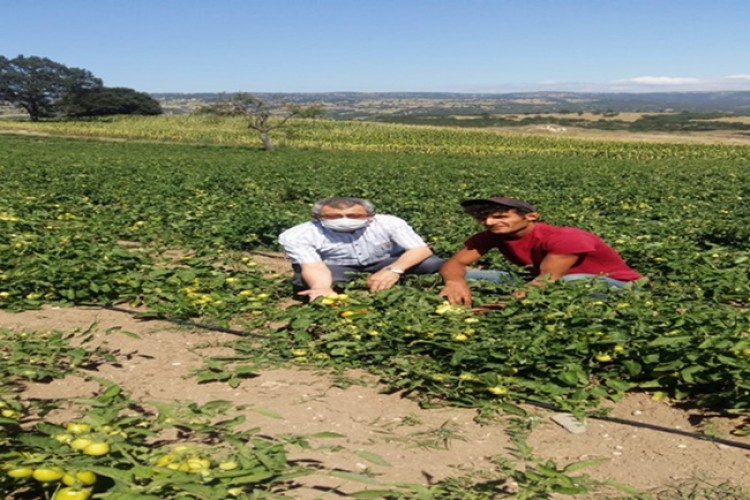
(342, 274)
(507, 278)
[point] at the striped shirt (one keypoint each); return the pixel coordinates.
(385, 236)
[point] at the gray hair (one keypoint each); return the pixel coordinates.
(342, 202)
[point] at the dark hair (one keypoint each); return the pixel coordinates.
(482, 210)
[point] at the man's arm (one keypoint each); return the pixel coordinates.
(318, 278)
(456, 290)
(385, 279)
(552, 268)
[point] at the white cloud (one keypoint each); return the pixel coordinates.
(662, 80)
(737, 82)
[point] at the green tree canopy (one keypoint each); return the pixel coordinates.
(37, 83)
(109, 101)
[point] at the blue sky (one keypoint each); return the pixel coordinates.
(390, 45)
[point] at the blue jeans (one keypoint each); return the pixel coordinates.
(505, 277)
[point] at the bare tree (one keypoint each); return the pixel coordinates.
(262, 116)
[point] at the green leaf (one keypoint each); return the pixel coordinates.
(372, 457)
(267, 413)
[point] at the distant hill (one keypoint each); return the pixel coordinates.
(363, 105)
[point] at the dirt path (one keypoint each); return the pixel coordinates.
(420, 446)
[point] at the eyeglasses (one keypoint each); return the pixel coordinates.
(342, 216)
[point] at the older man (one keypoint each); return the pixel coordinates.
(346, 237)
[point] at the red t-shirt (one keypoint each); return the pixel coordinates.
(595, 256)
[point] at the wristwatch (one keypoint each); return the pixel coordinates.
(395, 270)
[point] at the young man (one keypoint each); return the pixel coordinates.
(551, 252)
(345, 237)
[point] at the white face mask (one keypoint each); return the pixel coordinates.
(344, 225)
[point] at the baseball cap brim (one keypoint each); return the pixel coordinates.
(503, 201)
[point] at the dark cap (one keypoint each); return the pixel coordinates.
(502, 201)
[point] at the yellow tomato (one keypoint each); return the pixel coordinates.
(460, 337)
(198, 464)
(80, 443)
(164, 460)
(85, 477)
(47, 475)
(20, 472)
(71, 494)
(78, 427)
(228, 465)
(96, 449)
(603, 358)
(498, 390)
(63, 438)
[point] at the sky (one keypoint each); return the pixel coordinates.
(469, 46)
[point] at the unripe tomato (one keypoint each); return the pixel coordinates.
(498, 390)
(228, 465)
(85, 477)
(97, 449)
(603, 358)
(164, 460)
(77, 427)
(71, 494)
(20, 472)
(47, 475)
(80, 443)
(63, 438)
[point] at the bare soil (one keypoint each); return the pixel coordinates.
(420, 445)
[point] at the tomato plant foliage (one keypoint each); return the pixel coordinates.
(170, 226)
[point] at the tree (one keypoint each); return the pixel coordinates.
(106, 101)
(262, 116)
(37, 83)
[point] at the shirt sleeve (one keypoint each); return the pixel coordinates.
(571, 241)
(403, 235)
(299, 245)
(479, 242)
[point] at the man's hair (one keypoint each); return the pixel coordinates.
(342, 202)
(482, 210)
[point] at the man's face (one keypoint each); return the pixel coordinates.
(508, 223)
(353, 212)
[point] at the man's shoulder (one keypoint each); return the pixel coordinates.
(388, 219)
(306, 228)
(548, 230)
(389, 222)
(546, 234)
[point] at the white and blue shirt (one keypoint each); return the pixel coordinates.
(385, 236)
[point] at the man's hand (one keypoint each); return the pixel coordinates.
(382, 280)
(457, 292)
(314, 293)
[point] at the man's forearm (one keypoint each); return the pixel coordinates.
(453, 271)
(316, 276)
(412, 257)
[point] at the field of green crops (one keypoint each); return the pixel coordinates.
(169, 219)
